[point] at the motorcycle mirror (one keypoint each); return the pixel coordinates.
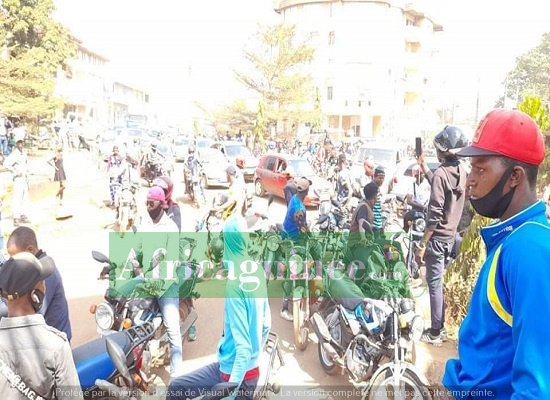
(119, 359)
(270, 200)
(100, 257)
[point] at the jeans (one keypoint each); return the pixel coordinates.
(171, 317)
(203, 379)
(169, 308)
(436, 253)
(20, 197)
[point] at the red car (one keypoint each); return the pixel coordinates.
(270, 177)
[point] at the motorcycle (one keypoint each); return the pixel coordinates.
(372, 340)
(416, 225)
(152, 170)
(139, 305)
(193, 186)
(114, 362)
(271, 361)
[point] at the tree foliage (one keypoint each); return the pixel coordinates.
(260, 127)
(533, 106)
(36, 46)
(279, 75)
(531, 75)
(233, 118)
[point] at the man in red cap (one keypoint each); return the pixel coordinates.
(503, 342)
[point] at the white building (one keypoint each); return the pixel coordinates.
(371, 63)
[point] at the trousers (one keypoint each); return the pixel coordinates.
(198, 382)
(436, 254)
(20, 197)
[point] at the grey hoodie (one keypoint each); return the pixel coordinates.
(446, 201)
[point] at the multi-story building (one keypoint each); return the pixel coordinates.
(371, 62)
(82, 84)
(90, 91)
(127, 103)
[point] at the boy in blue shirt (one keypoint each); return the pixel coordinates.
(503, 341)
(247, 321)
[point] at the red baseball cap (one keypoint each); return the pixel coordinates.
(508, 133)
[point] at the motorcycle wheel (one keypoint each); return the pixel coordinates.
(329, 366)
(411, 388)
(301, 331)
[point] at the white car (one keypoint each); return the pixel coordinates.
(382, 155)
(235, 150)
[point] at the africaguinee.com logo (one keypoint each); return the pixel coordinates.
(148, 265)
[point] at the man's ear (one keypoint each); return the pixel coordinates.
(518, 174)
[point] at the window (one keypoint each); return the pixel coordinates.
(281, 167)
(329, 93)
(269, 163)
(331, 38)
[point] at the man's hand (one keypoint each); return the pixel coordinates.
(419, 256)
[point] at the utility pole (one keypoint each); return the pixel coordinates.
(477, 101)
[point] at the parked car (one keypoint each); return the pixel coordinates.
(270, 177)
(214, 164)
(234, 151)
(181, 145)
(402, 179)
(201, 143)
(382, 155)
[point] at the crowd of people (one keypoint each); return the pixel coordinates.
(502, 344)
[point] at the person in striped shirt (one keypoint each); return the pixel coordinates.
(378, 222)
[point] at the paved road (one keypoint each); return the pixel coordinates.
(71, 241)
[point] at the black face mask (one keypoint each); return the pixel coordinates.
(494, 204)
(155, 212)
(37, 299)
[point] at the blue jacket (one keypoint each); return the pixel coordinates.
(247, 318)
(504, 341)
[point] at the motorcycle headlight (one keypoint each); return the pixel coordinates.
(104, 316)
(273, 243)
(417, 327)
(420, 225)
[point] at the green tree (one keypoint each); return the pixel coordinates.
(533, 106)
(260, 127)
(531, 75)
(36, 45)
(233, 118)
(278, 73)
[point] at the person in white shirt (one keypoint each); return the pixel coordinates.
(17, 163)
(419, 193)
(418, 196)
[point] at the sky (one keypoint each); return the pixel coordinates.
(153, 43)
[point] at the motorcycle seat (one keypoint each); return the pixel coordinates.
(345, 292)
(92, 360)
